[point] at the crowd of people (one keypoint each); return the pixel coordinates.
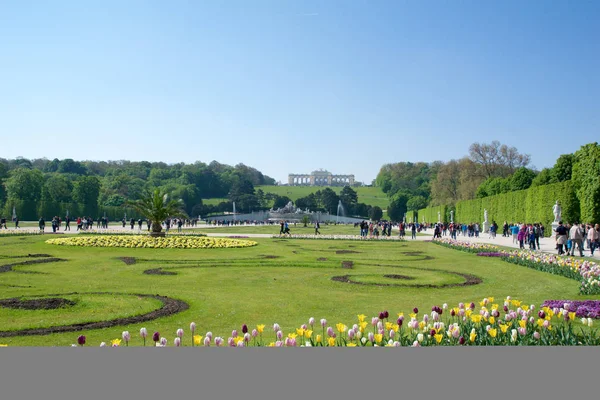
(571, 236)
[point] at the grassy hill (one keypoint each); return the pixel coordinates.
(372, 196)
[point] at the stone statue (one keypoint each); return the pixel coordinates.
(557, 210)
(485, 215)
(439, 217)
(452, 216)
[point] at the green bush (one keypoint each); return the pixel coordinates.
(586, 179)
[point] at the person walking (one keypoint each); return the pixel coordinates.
(42, 224)
(593, 237)
(561, 237)
(17, 223)
(67, 223)
(413, 230)
(317, 226)
(576, 237)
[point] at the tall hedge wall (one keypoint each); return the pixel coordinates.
(430, 214)
(531, 205)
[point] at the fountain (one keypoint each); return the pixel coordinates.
(234, 210)
(340, 207)
(14, 216)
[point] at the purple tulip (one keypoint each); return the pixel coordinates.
(81, 340)
(254, 333)
(177, 342)
(311, 321)
(330, 332)
(180, 333)
(399, 322)
(156, 336)
(193, 327)
(218, 341)
(381, 315)
(231, 342)
(461, 341)
(279, 335)
(416, 310)
(241, 344)
(234, 333)
(207, 342)
(278, 343)
(323, 322)
(371, 337)
(210, 335)
(505, 309)
(276, 327)
(374, 321)
(126, 337)
(452, 312)
(432, 332)
(425, 318)
(542, 314)
(472, 306)
(244, 329)
(461, 305)
(350, 334)
(246, 337)
(386, 314)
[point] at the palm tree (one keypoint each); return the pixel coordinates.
(157, 207)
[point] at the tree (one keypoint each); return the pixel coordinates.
(281, 201)
(329, 200)
(25, 185)
(375, 213)
(397, 207)
(86, 191)
(58, 189)
(563, 168)
(416, 203)
(521, 179)
(445, 188)
(545, 177)
(349, 198)
(497, 160)
(72, 167)
(156, 207)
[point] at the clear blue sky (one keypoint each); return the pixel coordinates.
(289, 87)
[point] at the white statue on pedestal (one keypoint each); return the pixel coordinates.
(452, 216)
(485, 215)
(486, 223)
(557, 210)
(439, 217)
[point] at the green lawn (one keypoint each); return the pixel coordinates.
(299, 229)
(279, 280)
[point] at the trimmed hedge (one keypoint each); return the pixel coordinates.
(530, 205)
(430, 214)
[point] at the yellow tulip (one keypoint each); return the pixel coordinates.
(197, 340)
(363, 325)
(503, 328)
(351, 345)
(476, 318)
(341, 327)
(388, 326)
(492, 320)
(319, 339)
(115, 342)
(421, 325)
(300, 331)
(331, 342)
(522, 323)
(572, 316)
(292, 335)
(516, 303)
(238, 339)
(468, 312)
(491, 299)
(361, 317)
(400, 314)
(492, 332)
(412, 315)
(378, 338)
(272, 344)
(308, 333)
(472, 336)
(260, 328)
(438, 338)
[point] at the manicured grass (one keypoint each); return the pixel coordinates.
(299, 229)
(283, 281)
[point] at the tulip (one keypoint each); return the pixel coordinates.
(399, 322)
(531, 320)
(231, 342)
(193, 328)
(505, 309)
(392, 333)
(374, 321)
(276, 327)
(330, 332)
(177, 342)
(461, 305)
(254, 333)
(363, 340)
(445, 306)
(452, 312)
(351, 334)
(311, 322)
(416, 310)
(180, 333)
(279, 335)
(590, 322)
(246, 337)
(207, 342)
(156, 336)
(244, 329)
(397, 344)
(386, 314)
(126, 337)
(379, 325)
(420, 337)
(240, 343)
(371, 337)
(323, 322)
(103, 344)
(209, 335)
(522, 331)
(81, 340)
(432, 332)
(218, 341)
(536, 335)
(163, 341)
(472, 306)
(425, 318)
(461, 341)
(73, 345)
(416, 344)
(546, 324)
(234, 333)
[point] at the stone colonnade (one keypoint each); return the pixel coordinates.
(320, 180)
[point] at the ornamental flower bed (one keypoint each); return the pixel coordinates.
(507, 323)
(170, 242)
(582, 308)
(465, 246)
(494, 254)
(339, 237)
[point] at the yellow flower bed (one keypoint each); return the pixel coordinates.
(140, 241)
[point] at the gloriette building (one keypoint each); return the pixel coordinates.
(320, 178)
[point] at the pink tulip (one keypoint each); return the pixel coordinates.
(330, 332)
(254, 333)
(246, 337)
(392, 333)
(276, 327)
(193, 327)
(323, 322)
(180, 333)
(351, 334)
(278, 343)
(416, 344)
(522, 331)
(163, 341)
(461, 305)
(177, 342)
(206, 342)
(311, 321)
(425, 318)
(371, 337)
(241, 344)
(536, 335)
(209, 335)
(234, 333)
(231, 342)
(218, 341)
(304, 326)
(279, 335)
(143, 333)
(374, 321)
